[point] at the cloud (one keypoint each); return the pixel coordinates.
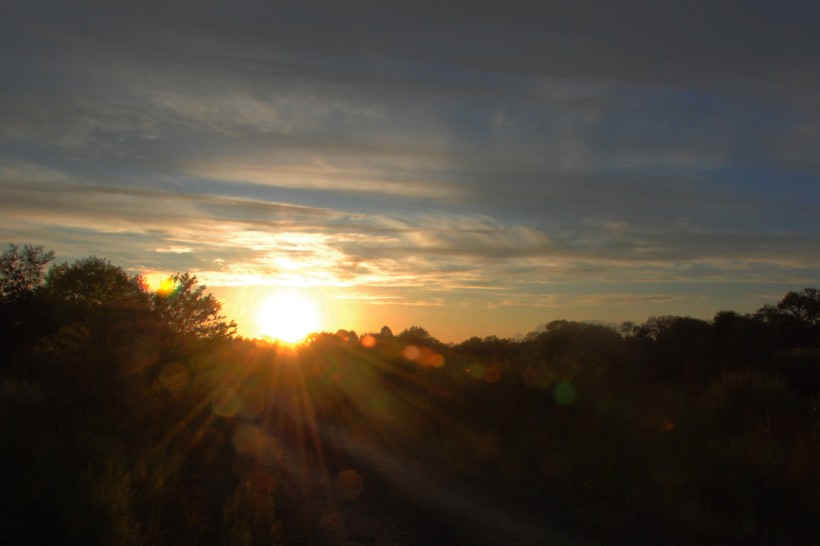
(322, 177)
(419, 153)
(174, 250)
(252, 241)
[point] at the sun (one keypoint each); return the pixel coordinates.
(287, 316)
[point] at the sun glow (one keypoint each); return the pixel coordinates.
(287, 316)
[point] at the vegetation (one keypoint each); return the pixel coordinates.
(131, 417)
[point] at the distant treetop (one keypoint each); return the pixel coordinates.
(21, 270)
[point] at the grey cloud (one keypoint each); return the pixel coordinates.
(701, 44)
(420, 147)
(100, 203)
(216, 82)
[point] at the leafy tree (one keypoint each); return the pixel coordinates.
(795, 318)
(740, 341)
(348, 336)
(94, 281)
(24, 314)
(488, 348)
(803, 306)
(187, 310)
(679, 348)
(572, 347)
(102, 326)
(21, 271)
(628, 328)
(417, 334)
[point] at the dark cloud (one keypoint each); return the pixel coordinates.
(456, 147)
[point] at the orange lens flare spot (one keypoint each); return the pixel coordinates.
(411, 352)
(423, 356)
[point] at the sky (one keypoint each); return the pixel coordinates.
(474, 168)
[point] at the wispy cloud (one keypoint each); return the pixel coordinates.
(421, 155)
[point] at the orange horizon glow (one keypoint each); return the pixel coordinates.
(279, 313)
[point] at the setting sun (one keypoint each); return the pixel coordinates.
(287, 316)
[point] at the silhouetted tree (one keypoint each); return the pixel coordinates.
(189, 311)
(21, 271)
(795, 319)
(103, 326)
(24, 315)
(418, 336)
(97, 392)
(578, 345)
(347, 336)
(628, 328)
(740, 341)
(678, 348)
(94, 281)
(803, 306)
(488, 348)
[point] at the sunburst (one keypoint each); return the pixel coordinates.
(288, 316)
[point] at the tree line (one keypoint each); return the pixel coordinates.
(136, 417)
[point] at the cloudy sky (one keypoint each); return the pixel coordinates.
(474, 168)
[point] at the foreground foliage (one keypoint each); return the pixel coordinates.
(130, 417)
